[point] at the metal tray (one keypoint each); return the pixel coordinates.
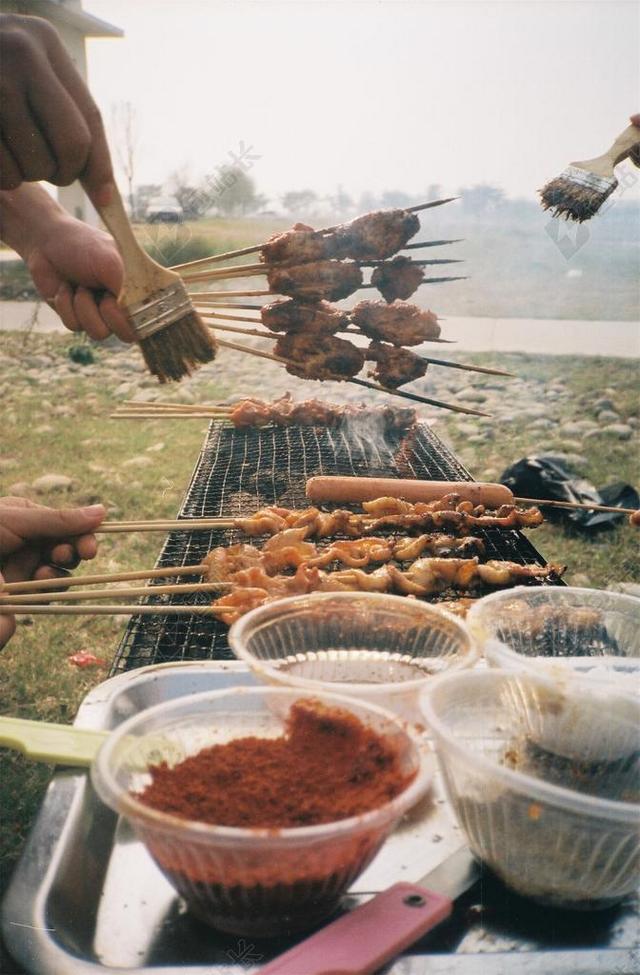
(86, 897)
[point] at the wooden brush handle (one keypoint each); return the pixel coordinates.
(143, 275)
(621, 148)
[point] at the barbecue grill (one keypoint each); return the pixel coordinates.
(239, 471)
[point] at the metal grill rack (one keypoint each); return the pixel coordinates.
(239, 471)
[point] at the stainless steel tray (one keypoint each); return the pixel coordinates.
(86, 897)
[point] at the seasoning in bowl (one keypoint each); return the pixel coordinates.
(262, 805)
(327, 766)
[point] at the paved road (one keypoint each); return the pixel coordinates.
(538, 336)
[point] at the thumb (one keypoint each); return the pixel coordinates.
(44, 522)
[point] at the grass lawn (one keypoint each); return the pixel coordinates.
(62, 427)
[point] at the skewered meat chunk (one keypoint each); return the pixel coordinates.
(319, 357)
(377, 235)
(398, 278)
(289, 315)
(320, 279)
(298, 246)
(394, 366)
(398, 323)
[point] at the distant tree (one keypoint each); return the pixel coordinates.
(125, 137)
(187, 194)
(481, 198)
(434, 192)
(341, 202)
(232, 192)
(368, 202)
(299, 201)
(395, 198)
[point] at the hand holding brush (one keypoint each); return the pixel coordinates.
(582, 188)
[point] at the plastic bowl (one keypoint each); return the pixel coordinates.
(378, 648)
(562, 831)
(261, 882)
(588, 631)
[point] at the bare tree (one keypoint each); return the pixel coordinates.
(125, 129)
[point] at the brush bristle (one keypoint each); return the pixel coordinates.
(177, 350)
(571, 200)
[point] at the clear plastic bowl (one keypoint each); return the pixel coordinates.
(588, 631)
(260, 882)
(378, 648)
(562, 831)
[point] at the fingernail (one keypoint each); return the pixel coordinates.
(94, 509)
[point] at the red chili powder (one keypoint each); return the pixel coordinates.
(326, 766)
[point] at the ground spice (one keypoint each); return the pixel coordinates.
(326, 766)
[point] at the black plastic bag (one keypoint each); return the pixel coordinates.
(543, 476)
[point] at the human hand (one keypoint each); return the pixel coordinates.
(78, 270)
(635, 152)
(36, 542)
(51, 128)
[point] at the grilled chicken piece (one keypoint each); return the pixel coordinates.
(319, 357)
(287, 548)
(298, 246)
(376, 235)
(355, 553)
(397, 323)
(398, 278)
(394, 367)
(289, 315)
(319, 279)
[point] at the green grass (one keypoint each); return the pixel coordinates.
(36, 678)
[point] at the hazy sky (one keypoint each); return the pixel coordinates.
(371, 95)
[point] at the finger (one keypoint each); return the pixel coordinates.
(635, 119)
(28, 146)
(97, 177)
(7, 628)
(63, 554)
(116, 319)
(57, 523)
(86, 547)
(10, 177)
(62, 122)
(88, 316)
(52, 572)
(63, 304)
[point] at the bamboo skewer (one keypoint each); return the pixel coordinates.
(360, 382)
(248, 270)
(11, 609)
(43, 585)
(577, 505)
(254, 248)
(179, 524)
(125, 592)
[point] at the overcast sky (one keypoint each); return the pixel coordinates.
(371, 95)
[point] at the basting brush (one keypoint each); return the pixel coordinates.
(171, 335)
(579, 191)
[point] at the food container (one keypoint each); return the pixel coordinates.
(378, 648)
(248, 881)
(582, 630)
(562, 830)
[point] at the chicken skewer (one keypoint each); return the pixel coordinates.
(124, 592)
(346, 361)
(400, 226)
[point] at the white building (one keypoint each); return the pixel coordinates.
(74, 25)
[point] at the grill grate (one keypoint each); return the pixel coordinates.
(239, 471)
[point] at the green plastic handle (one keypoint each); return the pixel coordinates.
(44, 741)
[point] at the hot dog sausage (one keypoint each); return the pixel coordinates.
(346, 489)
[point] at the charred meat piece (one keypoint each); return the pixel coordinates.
(398, 278)
(394, 367)
(319, 279)
(298, 246)
(377, 235)
(289, 315)
(398, 323)
(319, 357)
